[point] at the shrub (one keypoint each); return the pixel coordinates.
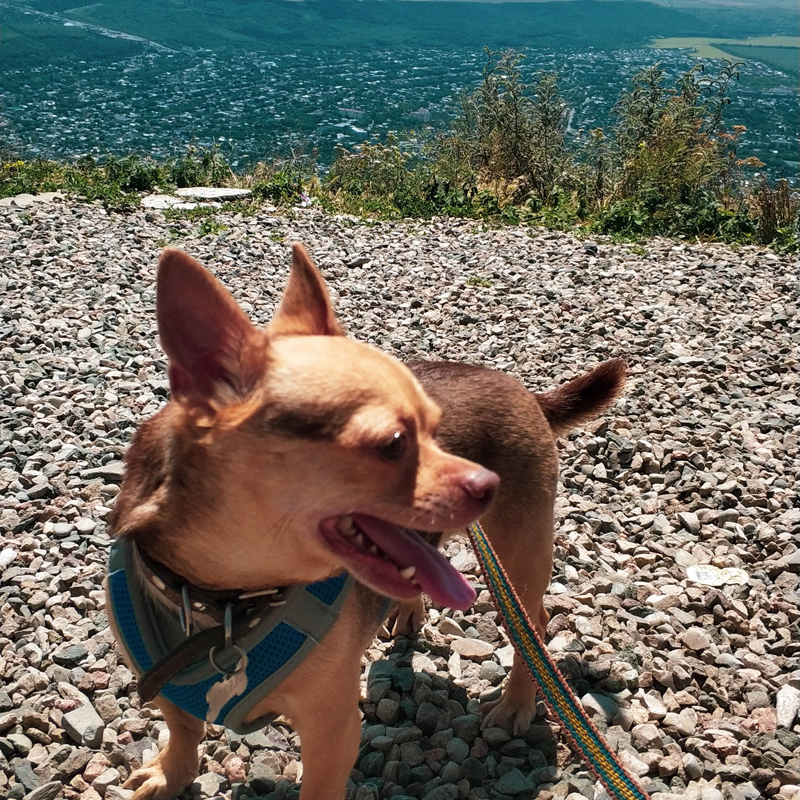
(777, 214)
(200, 166)
(280, 188)
(509, 134)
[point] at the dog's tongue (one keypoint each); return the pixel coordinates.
(444, 584)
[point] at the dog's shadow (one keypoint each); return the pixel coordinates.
(421, 730)
(421, 736)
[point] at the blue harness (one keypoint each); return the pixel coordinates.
(268, 638)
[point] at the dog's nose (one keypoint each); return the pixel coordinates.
(482, 485)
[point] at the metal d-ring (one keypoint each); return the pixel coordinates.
(240, 662)
(229, 645)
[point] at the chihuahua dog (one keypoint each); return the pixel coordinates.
(291, 454)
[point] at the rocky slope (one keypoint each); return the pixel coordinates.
(674, 598)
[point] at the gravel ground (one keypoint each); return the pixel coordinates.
(694, 673)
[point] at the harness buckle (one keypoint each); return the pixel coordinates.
(187, 619)
(259, 593)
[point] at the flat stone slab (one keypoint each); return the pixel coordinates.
(211, 193)
(164, 201)
(26, 200)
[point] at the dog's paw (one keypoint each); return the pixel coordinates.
(408, 618)
(151, 783)
(508, 715)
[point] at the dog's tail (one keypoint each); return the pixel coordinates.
(583, 398)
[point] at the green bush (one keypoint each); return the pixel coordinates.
(509, 133)
(200, 166)
(280, 188)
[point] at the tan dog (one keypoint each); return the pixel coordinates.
(290, 454)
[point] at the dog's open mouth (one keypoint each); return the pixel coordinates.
(395, 561)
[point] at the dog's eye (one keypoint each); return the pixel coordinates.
(394, 447)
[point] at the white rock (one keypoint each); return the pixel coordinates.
(787, 705)
(475, 649)
(505, 656)
(162, 201)
(212, 193)
(7, 555)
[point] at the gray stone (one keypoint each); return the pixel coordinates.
(22, 744)
(411, 754)
(71, 656)
(109, 777)
(47, 791)
(600, 705)
(427, 717)
(23, 772)
(513, 783)
(208, 784)
(372, 764)
(457, 749)
(112, 472)
(74, 763)
(495, 737)
(23, 200)
(467, 727)
(261, 777)
(689, 520)
(691, 766)
(646, 737)
(118, 793)
(84, 726)
(451, 772)
(388, 711)
(474, 771)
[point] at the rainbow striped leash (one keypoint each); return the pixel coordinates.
(584, 736)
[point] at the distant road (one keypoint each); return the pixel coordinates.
(73, 23)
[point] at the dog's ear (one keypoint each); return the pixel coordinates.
(305, 309)
(216, 354)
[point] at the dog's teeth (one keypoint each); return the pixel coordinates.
(408, 573)
(358, 538)
(373, 550)
(345, 525)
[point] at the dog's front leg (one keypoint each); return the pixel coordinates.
(408, 618)
(330, 733)
(176, 766)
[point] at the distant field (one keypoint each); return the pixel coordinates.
(780, 52)
(786, 59)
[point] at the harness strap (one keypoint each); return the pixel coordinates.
(581, 731)
(189, 651)
(272, 637)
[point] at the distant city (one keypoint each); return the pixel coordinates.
(256, 106)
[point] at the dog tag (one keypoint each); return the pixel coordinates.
(222, 691)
